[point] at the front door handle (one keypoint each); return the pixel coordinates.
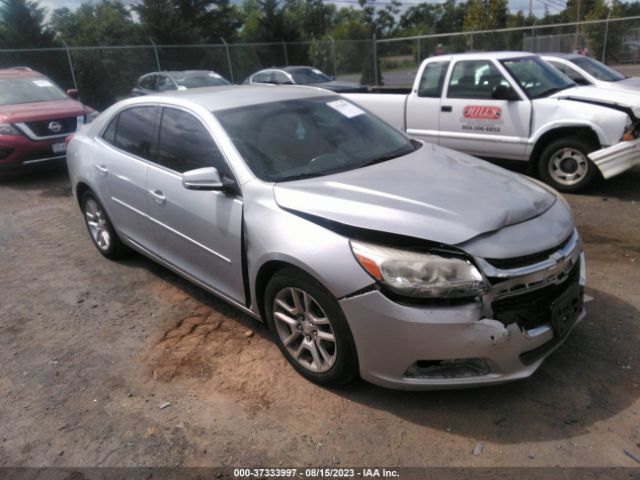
(102, 169)
(446, 108)
(158, 196)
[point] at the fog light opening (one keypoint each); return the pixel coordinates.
(455, 368)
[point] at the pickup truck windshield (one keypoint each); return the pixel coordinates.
(597, 69)
(26, 90)
(310, 137)
(536, 77)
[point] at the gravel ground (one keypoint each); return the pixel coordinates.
(90, 350)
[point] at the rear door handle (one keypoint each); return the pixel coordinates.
(158, 196)
(102, 169)
(446, 108)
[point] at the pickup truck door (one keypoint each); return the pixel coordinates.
(473, 122)
(423, 104)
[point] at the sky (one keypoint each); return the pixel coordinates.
(514, 5)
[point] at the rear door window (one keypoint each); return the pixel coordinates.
(432, 79)
(133, 131)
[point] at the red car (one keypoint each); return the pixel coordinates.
(35, 117)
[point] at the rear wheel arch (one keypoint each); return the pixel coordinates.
(81, 189)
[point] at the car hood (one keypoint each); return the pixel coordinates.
(433, 193)
(602, 96)
(27, 112)
(629, 82)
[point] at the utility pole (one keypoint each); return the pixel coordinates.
(530, 8)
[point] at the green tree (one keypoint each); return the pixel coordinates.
(595, 33)
(23, 25)
(103, 75)
(486, 15)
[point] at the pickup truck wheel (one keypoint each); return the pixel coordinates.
(310, 328)
(565, 166)
(100, 229)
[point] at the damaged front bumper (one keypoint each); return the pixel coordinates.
(415, 347)
(612, 161)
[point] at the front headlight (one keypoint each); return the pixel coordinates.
(418, 274)
(8, 129)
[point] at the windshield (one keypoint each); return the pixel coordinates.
(27, 90)
(536, 77)
(305, 76)
(597, 69)
(310, 137)
(200, 80)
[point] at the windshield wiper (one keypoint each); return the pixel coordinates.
(389, 156)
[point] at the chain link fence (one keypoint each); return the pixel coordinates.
(104, 75)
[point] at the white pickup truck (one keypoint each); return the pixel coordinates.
(515, 106)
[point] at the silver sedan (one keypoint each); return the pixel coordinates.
(365, 252)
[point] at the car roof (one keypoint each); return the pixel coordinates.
(566, 56)
(19, 72)
(233, 96)
(483, 55)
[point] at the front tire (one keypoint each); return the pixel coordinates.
(100, 229)
(565, 165)
(310, 328)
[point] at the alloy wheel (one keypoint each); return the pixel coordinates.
(304, 329)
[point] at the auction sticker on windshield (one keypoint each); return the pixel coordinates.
(347, 109)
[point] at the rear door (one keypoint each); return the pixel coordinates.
(122, 169)
(197, 231)
(473, 122)
(423, 104)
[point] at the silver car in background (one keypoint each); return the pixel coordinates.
(365, 252)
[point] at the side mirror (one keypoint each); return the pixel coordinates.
(285, 82)
(581, 81)
(73, 93)
(206, 178)
(503, 92)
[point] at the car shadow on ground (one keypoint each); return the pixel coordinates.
(593, 376)
(53, 180)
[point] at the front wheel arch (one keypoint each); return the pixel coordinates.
(586, 133)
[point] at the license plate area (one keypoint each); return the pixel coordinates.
(566, 309)
(59, 147)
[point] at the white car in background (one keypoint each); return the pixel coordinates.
(585, 70)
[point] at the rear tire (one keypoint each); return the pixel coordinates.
(310, 328)
(100, 229)
(565, 165)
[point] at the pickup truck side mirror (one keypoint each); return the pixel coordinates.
(73, 93)
(503, 92)
(206, 178)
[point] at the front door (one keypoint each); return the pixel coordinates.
(197, 231)
(473, 122)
